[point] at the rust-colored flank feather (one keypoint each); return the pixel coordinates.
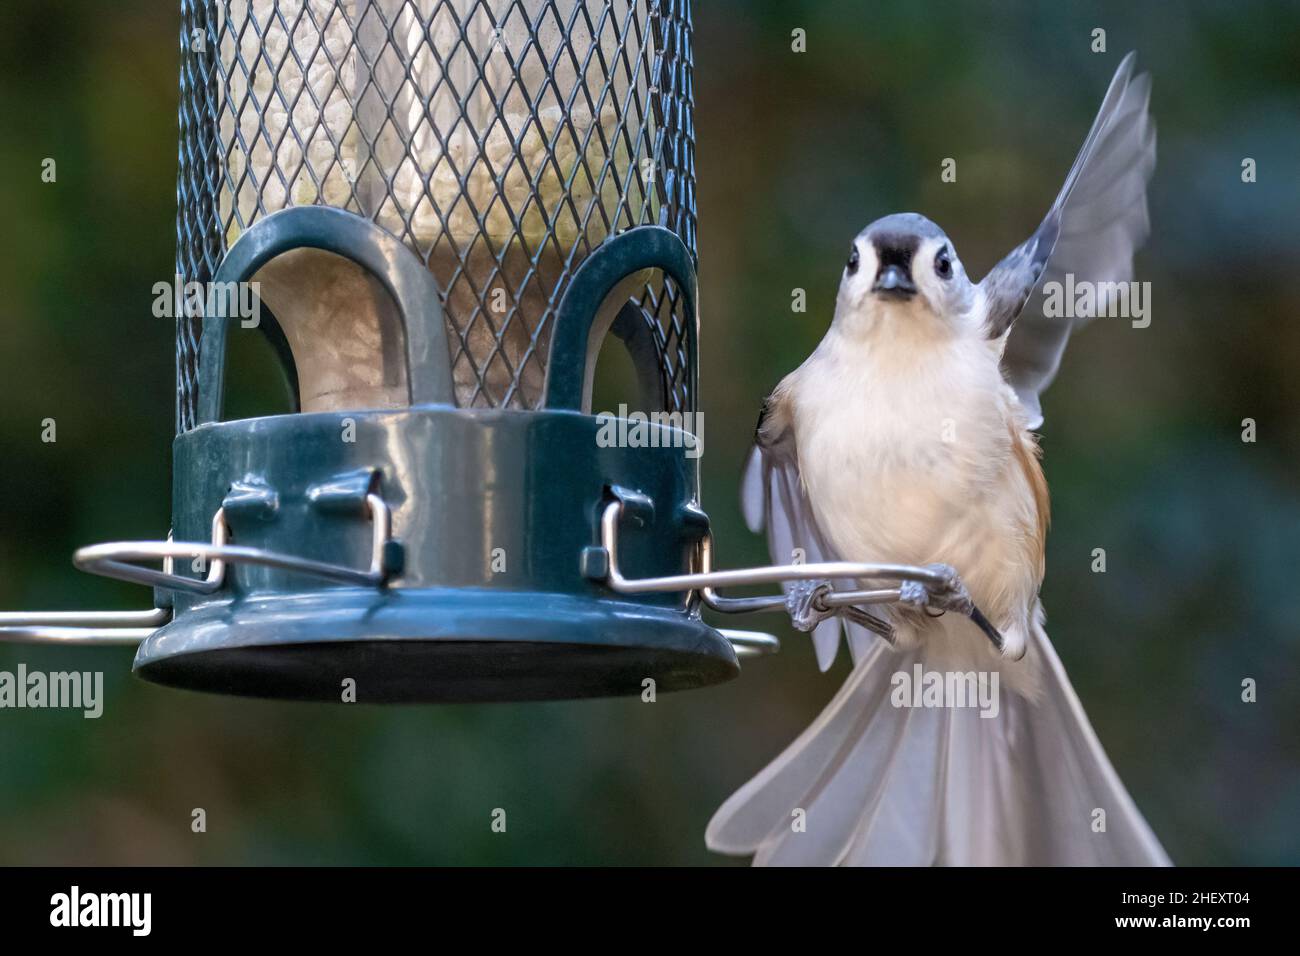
(1028, 452)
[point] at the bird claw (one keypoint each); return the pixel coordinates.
(805, 603)
(950, 595)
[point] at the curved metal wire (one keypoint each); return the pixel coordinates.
(115, 559)
(706, 580)
(98, 628)
(763, 574)
(751, 643)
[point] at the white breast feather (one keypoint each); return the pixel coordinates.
(905, 447)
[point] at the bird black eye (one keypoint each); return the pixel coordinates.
(852, 265)
(943, 264)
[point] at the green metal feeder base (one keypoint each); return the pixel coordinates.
(433, 646)
(495, 599)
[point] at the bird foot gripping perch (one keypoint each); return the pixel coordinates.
(809, 603)
(949, 595)
(806, 603)
(810, 599)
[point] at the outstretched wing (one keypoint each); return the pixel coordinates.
(1091, 232)
(772, 496)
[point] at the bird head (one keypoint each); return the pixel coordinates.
(904, 269)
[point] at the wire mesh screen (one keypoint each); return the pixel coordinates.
(501, 140)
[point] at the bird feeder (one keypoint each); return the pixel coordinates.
(445, 206)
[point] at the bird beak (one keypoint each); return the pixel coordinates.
(894, 282)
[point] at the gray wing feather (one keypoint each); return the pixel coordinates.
(1096, 223)
(772, 497)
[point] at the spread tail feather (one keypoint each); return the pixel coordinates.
(871, 783)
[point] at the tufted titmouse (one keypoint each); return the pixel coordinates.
(906, 438)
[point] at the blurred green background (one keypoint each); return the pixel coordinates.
(796, 152)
